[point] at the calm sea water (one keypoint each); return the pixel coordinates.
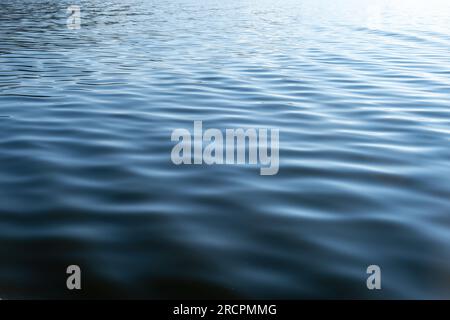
(360, 91)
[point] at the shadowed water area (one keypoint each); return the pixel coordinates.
(360, 91)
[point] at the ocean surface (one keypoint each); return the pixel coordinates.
(360, 91)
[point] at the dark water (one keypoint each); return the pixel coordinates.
(360, 91)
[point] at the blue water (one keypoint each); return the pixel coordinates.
(360, 91)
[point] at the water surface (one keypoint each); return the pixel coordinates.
(360, 91)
